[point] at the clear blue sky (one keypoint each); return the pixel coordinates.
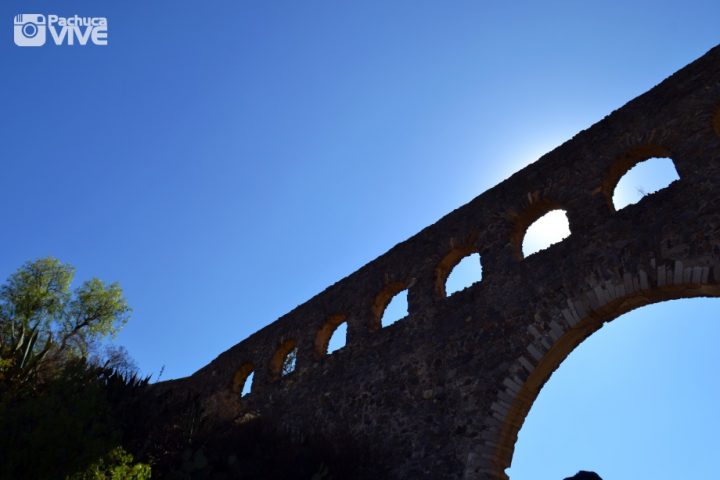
(226, 161)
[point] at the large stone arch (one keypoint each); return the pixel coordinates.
(549, 348)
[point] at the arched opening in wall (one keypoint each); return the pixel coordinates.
(459, 269)
(396, 309)
(390, 305)
(637, 399)
(643, 183)
(338, 339)
(466, 273)
(285, 359)
(551, 228)
(243, 378)
(332, 335)
(247, 385)
(645, 178)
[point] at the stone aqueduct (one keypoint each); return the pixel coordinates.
(445, 390)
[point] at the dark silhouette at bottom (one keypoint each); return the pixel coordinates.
(583, 475)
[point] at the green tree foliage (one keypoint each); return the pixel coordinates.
(116, 465)
(43, 323)
(61, 415)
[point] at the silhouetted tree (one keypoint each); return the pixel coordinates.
(43, 324)
(63, 416)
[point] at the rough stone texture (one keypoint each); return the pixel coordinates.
(445, 390)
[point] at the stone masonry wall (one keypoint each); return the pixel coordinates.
(445, 390)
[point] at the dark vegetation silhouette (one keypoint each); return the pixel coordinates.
(65, 398)
(74, 425)
(73, 407)
(584, 475)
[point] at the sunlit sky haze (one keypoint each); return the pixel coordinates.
(226, 162)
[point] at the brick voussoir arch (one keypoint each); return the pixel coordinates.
(569, 325)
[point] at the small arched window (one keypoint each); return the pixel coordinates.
(243, 378)
(285, 359)
(338, 338)
(467, 272)
(289, 363)
(390, 305)
(460, 268)
(547, 230)
(396, 309)
(644, 178)
(332, 335)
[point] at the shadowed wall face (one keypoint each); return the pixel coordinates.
(444, 390)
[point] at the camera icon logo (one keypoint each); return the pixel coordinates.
(30, 30)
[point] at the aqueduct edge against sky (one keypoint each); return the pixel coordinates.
(445, 390)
